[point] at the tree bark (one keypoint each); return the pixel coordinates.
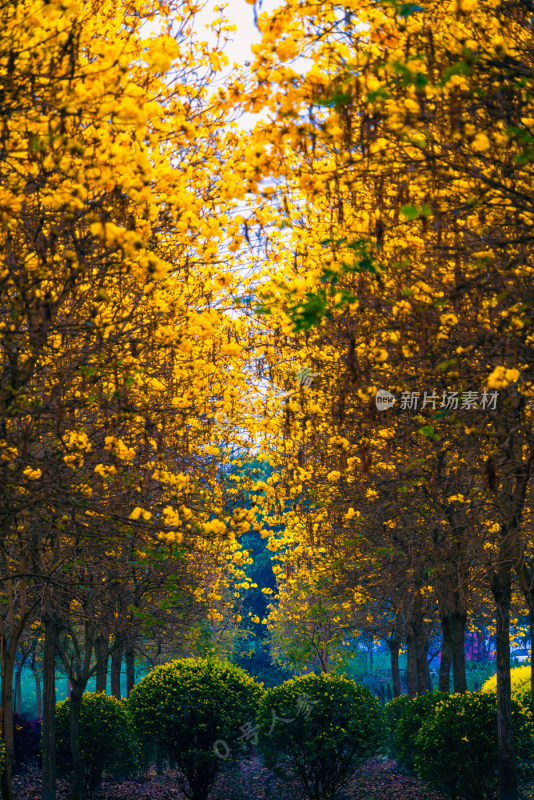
(18, 690)
(422, 668)
(501, 588)
(8, 669)
(48, 791)
(411, 675)
(38, 704)
(446, 654)
(18, 680)
(116, 661)
(102, 657)
(79, 670)
(78, 788)
(130, 668)
(394, 647)
(458, 622)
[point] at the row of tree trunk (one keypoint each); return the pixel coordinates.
(418, 670)
(80, 669)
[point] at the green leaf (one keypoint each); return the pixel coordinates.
(414, 212)
(410, 212)
(309, 311)
(428, 431)
(262, 309)
(378, 94)
(407, 9)
(340, 99)
(460, 68)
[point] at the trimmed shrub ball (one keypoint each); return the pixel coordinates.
(199, 712)
(106, 738)
(317, 729)
(456, 748)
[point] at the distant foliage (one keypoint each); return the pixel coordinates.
(196, 711)
(456, 748)
(106, 738)
(520, 685)
(477, 673)
(317, 730)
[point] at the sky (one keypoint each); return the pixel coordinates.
(241, 14)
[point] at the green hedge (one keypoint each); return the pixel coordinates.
(393, 712)
(412, 715)
(198, 712)
(456, 748)
(317, 729)
(106, 738)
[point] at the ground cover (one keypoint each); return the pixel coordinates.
(378, 779)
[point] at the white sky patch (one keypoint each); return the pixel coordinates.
(238, 49)
(240, 14)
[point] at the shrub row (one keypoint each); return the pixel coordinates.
(198, 713)
(313, 731)
(450, 741)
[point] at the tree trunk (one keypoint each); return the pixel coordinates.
(159, 762)
(501, 588)
(130, 668)
(411, 671)
(48, 791)
(446, 654)
(18, 690)
(75, 745)
(116, 661)
(421, 659)
(394, 648)
(323, 663)
(80, 671)
(101, 654)
(38, 704)
(8, 669)
(458, 622)
(422, 667)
